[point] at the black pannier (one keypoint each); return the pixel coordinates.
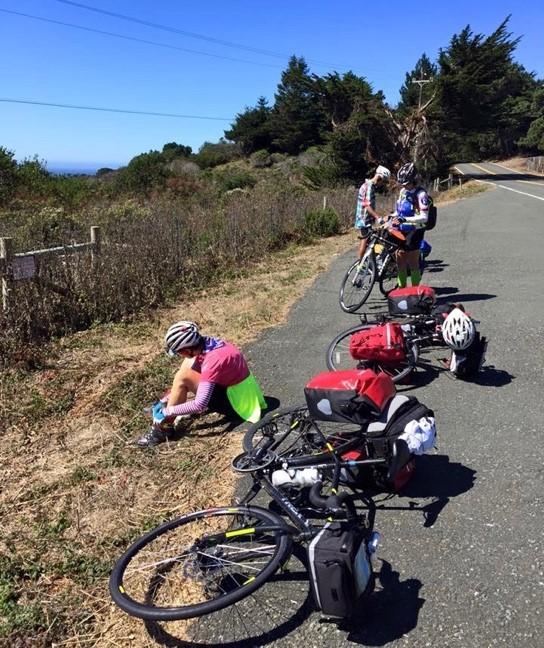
(340, 568)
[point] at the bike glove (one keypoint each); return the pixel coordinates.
(158, 412)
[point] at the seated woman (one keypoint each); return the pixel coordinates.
(214, 371)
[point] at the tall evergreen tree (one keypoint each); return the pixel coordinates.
(478, 85)
(252, 128)
(296, 121)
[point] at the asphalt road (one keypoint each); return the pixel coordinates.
(468, 571)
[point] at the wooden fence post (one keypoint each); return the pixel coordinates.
(6, 253)
(450, 181)
(324, 202)
(96, 241)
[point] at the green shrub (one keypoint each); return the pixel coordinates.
(322, 222)
(260, 159)
(234, 179)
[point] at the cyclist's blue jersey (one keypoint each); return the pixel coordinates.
(419, 199)
(366, 197)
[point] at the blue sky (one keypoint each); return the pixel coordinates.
(47, 62)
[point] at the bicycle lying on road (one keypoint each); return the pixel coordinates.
(214, 560)
(417, 332)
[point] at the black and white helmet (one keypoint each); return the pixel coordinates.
(180, 336)
(458, 330)
(407, 174)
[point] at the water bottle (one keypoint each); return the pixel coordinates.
(298, 478)
(362, 569)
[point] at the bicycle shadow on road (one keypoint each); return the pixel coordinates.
(439, 478)
(390, 612)
(446, 293)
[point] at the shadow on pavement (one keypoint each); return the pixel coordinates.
(447, 291)
(390, 612)
(492, 377)
(504, 176)
(434, 265)
(436, 476)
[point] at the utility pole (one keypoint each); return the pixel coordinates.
(421, 83)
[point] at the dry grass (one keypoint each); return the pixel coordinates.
(75, 491)
(466, 190)
(518, 164)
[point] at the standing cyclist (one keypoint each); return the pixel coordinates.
(214, 371)
(411, 216)
(366, 214)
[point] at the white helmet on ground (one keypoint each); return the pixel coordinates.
(383, 172)
(458, 330)
(181, 335)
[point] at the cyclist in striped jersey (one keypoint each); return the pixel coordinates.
(366, 213)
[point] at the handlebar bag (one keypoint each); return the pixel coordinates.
(382, 343)
(353, 395)
(339, 568)
(413, 300)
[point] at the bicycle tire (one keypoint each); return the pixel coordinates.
(388, 276)
(291, 432)
(353, 296)
(338, 356)
(193, 572)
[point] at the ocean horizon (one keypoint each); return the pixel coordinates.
(74, 168)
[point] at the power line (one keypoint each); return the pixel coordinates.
(113, 110)
(174, 30)
(133, 38)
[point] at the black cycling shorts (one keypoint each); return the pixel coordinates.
(364, 232)
(413, 240)
(219, 402)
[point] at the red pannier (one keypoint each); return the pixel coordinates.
(353, 395)
(382, 343)
(413, 300)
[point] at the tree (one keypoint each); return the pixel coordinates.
(296, 120)
(413, 95)
(479, 87)
(8, 174)
(210, 154)
(144, 172)
(534, 139)
(174, 150)
(252, 128)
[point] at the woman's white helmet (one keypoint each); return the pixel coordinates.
(458, 330)
(180, 336)
(383, 172)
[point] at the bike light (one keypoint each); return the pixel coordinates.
(373, 542)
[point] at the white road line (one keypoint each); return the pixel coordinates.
(520, 192)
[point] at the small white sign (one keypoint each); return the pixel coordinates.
(23, 267)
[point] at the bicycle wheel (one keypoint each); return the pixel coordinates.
(357, 284)
(199, 563)
(291, 432)
(339, 357)
(388, 276)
